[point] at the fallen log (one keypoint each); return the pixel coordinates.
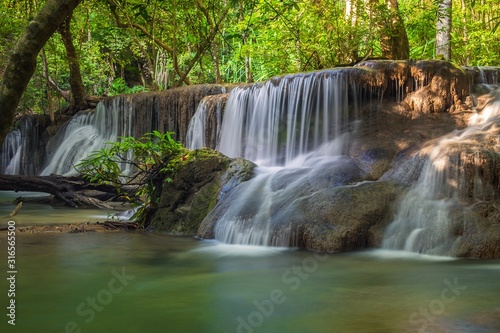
(72, 191)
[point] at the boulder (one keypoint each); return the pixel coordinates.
(478, 231)
(202, 180)
(343, 218)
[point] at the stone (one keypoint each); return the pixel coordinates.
(343, 218)
(478, 231)
(201, 181)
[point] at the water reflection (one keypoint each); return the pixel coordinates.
(41, 214)
(186, 285)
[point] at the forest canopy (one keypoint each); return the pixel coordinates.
(125, 46)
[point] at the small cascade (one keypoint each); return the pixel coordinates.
(251, 227)
(273, 123)
(11, 153)
(250, 219)
(88, 132)
(424, 220)
(23, 149)
(296, 128)
(195, 137)
(482, 76)
(204, 127)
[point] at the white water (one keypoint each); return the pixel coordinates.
(293, 128)
(11, 153)
(21, 148)
(204, 126)
(422, 223)
(273, 123)
(90, 132)
(195, 137)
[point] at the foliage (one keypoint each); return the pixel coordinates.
(119, 86)
(125, 45)
(140, 163)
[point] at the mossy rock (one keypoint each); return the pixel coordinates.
(202, 178)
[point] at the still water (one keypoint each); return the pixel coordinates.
(140, 282)
(38, 214)
(127, 282)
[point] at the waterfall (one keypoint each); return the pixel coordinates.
(88, 132)
(204, 126)
(23, 149)
(125, 115)
(273, 123)
(11, 153)
(423, 221)
(296, 128)
(195, 137)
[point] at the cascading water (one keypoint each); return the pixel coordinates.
(424, 219)
(204, 126)
(23, 151)
(273, 123)
(11, 153)
(295, 128)
(195, 137)
(89, 132)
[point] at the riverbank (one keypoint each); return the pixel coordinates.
(78, 227)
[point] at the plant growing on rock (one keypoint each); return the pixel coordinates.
(138, 164)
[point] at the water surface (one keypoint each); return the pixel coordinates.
(40, 214)
(142, 282)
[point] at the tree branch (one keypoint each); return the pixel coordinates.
(143, 29)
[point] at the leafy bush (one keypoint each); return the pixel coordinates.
(142, 163)
(119, 86)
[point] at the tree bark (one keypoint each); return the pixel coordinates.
(75, 76)
(393, 38)
(248, 62)
(399, 38)
(213, 44)
(45, 74)
(443, 30)
(22, 62)
(72, 191)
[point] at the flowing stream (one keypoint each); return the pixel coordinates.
(89, 132)
(33, 214)
(143, 282)
(423, 221)
(294, 128)
(128, 282)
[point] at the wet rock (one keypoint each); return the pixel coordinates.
(201, 181)
(430, 86)
(215, 113)
(478, 231)
(343, 218)
(443, 85)
(167, 111)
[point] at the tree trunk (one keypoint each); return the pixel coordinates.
(399, 38)
(215, 61)
(465, 33)
(72, 191)
(22, 62)
(351, 16)
(75, 77)
(45, 74)
(248, 62)
(392, 32)
(443, 30)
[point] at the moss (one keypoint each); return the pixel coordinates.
(202, 176)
